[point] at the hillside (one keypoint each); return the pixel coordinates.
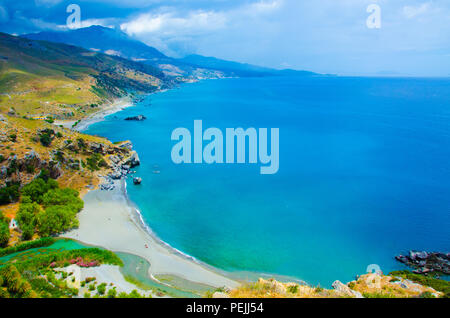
(239, 69)
(395, 285)
(192, 67)
(114, 42)
(41, 79)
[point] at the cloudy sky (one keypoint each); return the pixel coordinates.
(328, 36)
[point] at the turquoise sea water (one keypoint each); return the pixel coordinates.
(364, 174)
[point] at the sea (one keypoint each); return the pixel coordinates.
(364, 174)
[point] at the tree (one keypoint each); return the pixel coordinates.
(37, 188)
(26, 217)
(54, 220)
(4, 230)
(4, 234)
(68, 198)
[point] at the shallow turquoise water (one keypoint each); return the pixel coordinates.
(364, 174)
(59, 245)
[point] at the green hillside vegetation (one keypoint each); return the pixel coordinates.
(39, 78)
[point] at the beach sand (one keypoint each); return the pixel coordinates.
(106, 110)
(109, 221)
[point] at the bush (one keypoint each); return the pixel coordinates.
(9, 194)
(46, 140)
(46, 137)
(101, 289)
(112, 293)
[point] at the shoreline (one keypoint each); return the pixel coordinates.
(111, 221)
(200, 272)
(115, 106)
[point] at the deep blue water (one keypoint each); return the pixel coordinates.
(364, 174)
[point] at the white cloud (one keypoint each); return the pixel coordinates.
(170, 21)
(173, 23)
(47, 3)
(414, 11)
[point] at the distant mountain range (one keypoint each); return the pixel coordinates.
(115, 42)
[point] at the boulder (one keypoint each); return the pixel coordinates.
(137, 181)
(127, 145)
(133, 160)
(345, 290)
(97, 147)
(136, 118)
(115, 175)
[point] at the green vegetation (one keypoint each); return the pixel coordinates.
(35, 277)
(101, 289)
(4, 230)
(437, 284)
(43, 242)
(46, 137)
(95, 161)
(378, 295)
(10, 193)
(47, 209)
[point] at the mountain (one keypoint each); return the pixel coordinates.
(116, 43)
(192, 67)
(228, 66)
(105, 40)
(47, 78)
(239, 69)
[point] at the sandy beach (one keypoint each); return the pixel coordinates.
(106, 110)
(109, 221)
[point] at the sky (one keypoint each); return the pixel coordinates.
(411, 37)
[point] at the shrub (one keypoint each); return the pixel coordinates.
(101, 289)
(112, 293)
(45, 140)
(293, 289)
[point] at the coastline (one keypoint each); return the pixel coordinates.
(107, 109)
(110, 220)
